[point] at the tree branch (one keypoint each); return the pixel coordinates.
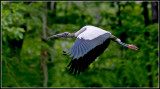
(44, 67)
(44, 25)
(44, 53)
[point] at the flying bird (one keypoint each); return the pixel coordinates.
(90, 43)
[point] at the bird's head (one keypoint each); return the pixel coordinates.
(131, 46)
(65, 34)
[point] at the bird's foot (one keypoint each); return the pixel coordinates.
(131, 46)
(64, 52)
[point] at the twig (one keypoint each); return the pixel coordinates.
(10, 74)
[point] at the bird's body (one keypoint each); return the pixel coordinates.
(90, 43)
(90, 32)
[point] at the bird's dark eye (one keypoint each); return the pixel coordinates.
(66, 34)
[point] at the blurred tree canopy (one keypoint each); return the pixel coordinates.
(28, 60)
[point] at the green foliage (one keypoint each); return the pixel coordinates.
(12, 13)
(23, 46)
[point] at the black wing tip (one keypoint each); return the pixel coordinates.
(74, 67)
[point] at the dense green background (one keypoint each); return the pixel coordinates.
(28, 60)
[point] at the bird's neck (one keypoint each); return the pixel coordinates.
(80, 31)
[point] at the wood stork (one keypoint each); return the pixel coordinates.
(91, 41)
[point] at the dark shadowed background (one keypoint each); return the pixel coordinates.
(28, 60)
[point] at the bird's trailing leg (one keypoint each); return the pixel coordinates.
(65, 34)
(131, 46)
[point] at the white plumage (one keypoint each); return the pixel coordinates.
(90, 32)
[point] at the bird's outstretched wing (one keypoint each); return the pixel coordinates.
(86, 51)
(83, 45)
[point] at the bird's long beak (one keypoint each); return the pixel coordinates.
(133, 47)
(51, 37)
